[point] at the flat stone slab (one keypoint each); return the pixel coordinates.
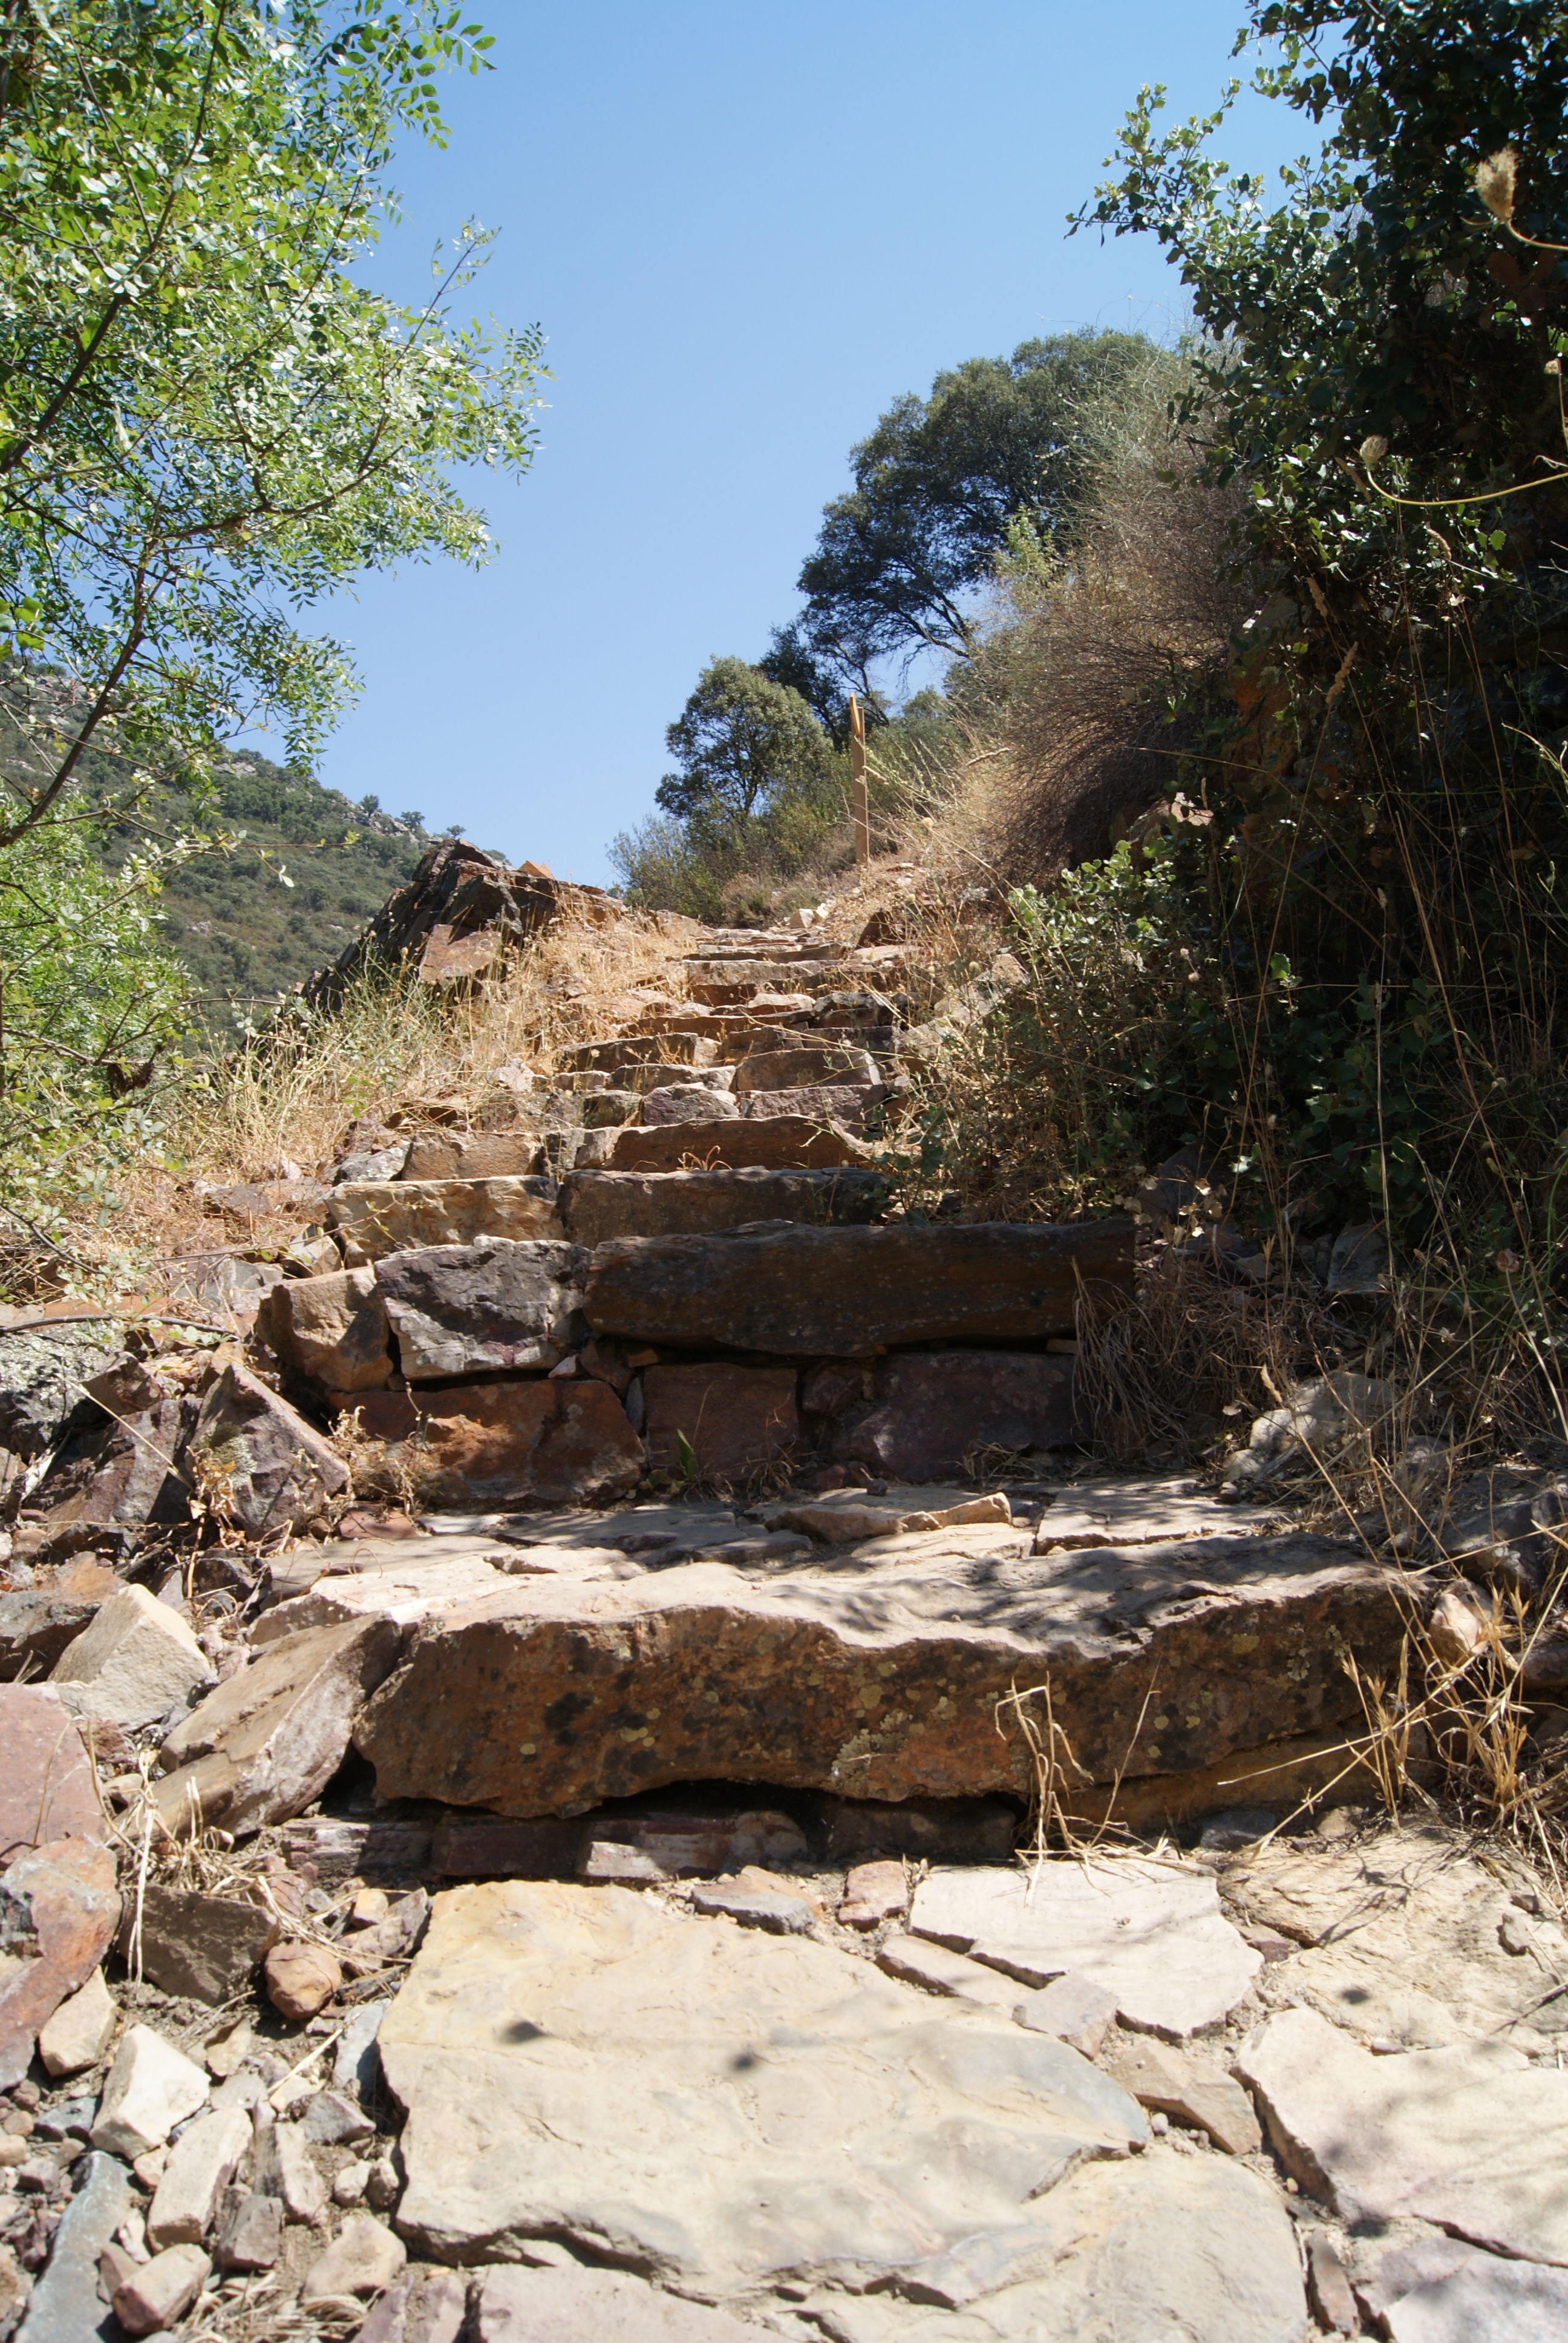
(710, 2106)
(570, 2304)
(1152, 1934)
(1406, 1939)
(1165, 2249)
(1474, 2139)
(853, 1293)
(1143, 1510)
(48, 1789)
(599, 1205)
(787, 1142)
(877, 1673)
(386, 1216)
(1441, 2290)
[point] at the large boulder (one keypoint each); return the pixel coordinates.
(59, 1908)
(880, 1674)
(376, 1217)
(269, 1468)
(928, 1414)
(736, 1420)
(266, 1743)
(786, 1142)
(712, 2106)
(501, 1445)
(48, 1788)
(483, 1308)
(599, 1205)
(853, 1293)
(42, 1371)
(332, 1330)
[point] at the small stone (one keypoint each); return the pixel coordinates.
(1179, 2084)
(151, 2088)
(12, 2151)
(385, 2185)
(301, 1978)
(225, 2051)
(15, 2288)
(940, 1971)
(371, 1905)
(605, 1863)
(285, 2169)
(333, 2121)
(116, 2263)
(349, 2183)
(364, 2258)
(249, 2234)
(426, 2306)
(1074, 2008)
(874, 1892)
(162, 2291)
(1329, 2286)
(81, 2029)
(59, 1908)
(149, 2168)
(355, 2062)
(755, 1908)
(202, 2162)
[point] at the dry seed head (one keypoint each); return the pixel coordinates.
(1373, 451)
(1494, 183)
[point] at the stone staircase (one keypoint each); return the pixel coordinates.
(682, 1258)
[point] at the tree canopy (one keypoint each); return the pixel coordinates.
(741, 740)
(1383, 303)
(935, 484)
(207, 422)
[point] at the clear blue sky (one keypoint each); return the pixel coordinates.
(744, 229)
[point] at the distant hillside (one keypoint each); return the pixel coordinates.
(244, 933)
(247, 936)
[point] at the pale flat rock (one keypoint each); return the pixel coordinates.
(137, 1661)
(877, 1675)
(81, 2029)
(418, 1590)
(1441, 2290)
(849, 1517)
(1152, 1934)
(202, 2162)
(1474, 2139)
(152, 2087)
(1404, 1941)
(569, 2304)
(1166, 2249)
(711, 2105)
(937, 1970)
(1144, 1511)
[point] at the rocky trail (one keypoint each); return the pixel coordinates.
(590, 1758)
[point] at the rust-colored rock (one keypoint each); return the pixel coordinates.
(488, 1446)
(301, 1978)
(853, 1293)
(599, 1205)
(382, 1216)
(332, 1329)
(785, 1142)
(59, 1908)
(736, 1419)
(878, 1677)
(48, 1789)
(929, 1414)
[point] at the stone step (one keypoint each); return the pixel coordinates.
(595, 1206)
(884, 1675)
(780, 1142)
(377, 1217)
(852, 1293)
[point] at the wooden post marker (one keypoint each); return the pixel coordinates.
(860, 803)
